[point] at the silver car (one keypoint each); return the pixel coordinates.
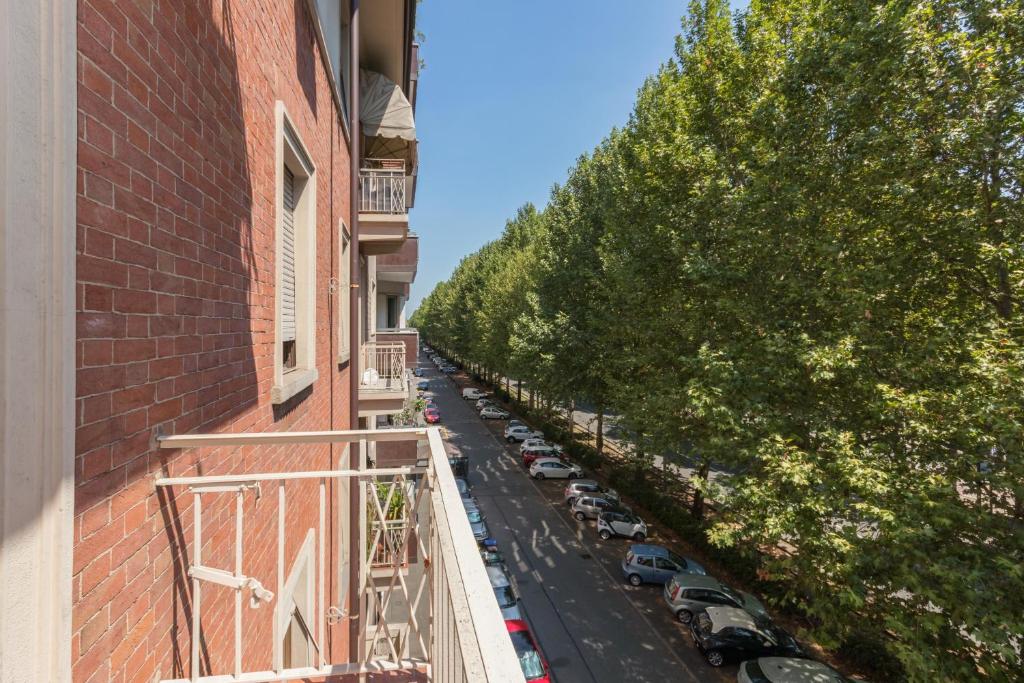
(688, 594)
(477, 522)
(619, 523)
(508, 601)
(575, 489)
(590, 507)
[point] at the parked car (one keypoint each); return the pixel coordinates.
(580, 487)
(539, 443)
(490, 554)
(515, 423)
(459, 465)
(477, 521)
(621, 523)
(787, 670)
(726, 634)
(419, 372)
(493, 413)
(531, 454)
(521, 433)
(473, 393)
(688, 594)
(591, 507)
(432, 415)
(423, 385)
(484, 403)
(463, 486)
(655, 564)
(448, 369)
(531, 661)
(553, 468)
(508, 601)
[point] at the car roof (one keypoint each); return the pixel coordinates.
(648, 549)
(583, 482)
(538, 461)
(684, 580)
(796, 670)
(731, 617)
(497, 577)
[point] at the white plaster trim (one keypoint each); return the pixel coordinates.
(290, 150)
(37, 337)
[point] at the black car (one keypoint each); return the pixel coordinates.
(459, 465)
(726, 634)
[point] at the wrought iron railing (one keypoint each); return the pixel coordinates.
(382, 186)
(382, 366)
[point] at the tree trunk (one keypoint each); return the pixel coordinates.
(519, 392)
(599, 445)
(572, 415)
(698, 495)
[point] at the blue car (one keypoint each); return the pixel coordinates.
(418, 372)
(423, 385)
(655, 564)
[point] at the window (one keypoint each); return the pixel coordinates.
(295, 264)
(664, 564)
(645, 561)
(344, 294)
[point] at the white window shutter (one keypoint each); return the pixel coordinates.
(288, 259)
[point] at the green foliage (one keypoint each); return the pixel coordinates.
(803, 258)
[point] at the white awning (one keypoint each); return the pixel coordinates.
(386, 117)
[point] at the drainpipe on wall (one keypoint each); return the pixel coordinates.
(355, 355)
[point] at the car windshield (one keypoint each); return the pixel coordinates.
(677, 559)
(529, 658)
(732, 594)
(474, 516)
(506, 598)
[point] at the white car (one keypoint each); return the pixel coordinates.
(553, 468)
(530, 444)
(483, 403)
(473, 393)
(788, 670)
(492, 413)
(521, 433)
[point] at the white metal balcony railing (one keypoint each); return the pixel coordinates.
(453, 632)
(382, 366)
(382, 186)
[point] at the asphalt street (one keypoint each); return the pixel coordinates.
(591, 625)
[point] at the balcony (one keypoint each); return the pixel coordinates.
(401, 265)
(383, 213)
(408, 337)
(431, 615)
(384, 384)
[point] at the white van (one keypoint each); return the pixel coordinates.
(473, 394)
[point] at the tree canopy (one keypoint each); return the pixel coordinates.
(803, 257)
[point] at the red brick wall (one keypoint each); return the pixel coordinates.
(176, 172)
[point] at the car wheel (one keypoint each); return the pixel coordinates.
(714, 658)
(635, 580)
(639, 537)
(684, 616)
(580, 516)
(509, 439)
(573, 475)
(570, 502)
(539, 475)
(604, 534)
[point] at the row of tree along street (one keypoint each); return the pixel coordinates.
(804, 256)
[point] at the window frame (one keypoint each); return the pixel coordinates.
(344, 292)
(290, 151)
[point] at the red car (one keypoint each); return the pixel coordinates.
(431, 415)
(531, 454)
(531, 661)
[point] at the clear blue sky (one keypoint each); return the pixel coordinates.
(512, 93)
